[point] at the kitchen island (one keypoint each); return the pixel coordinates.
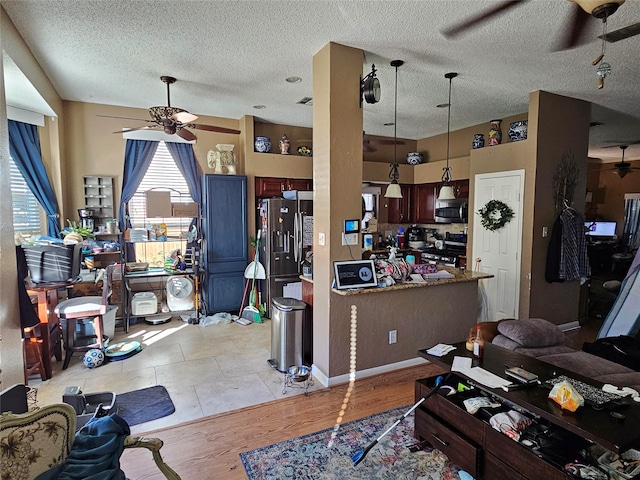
(394, 322)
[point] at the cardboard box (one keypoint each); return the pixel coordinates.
(189, 210)
(158, 204)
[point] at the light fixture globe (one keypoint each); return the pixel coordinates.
(393, 190)
(446, 193)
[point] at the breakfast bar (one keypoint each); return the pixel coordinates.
(394, 322)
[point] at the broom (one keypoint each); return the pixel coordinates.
(250, 312)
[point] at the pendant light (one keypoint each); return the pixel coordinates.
(446, 192)
(393, 189)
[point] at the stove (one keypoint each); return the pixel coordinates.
(454, 246)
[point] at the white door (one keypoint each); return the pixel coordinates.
(499, 250)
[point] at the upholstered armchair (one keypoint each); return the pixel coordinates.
(35, 442)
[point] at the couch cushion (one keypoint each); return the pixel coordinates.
(585, 364)
(532, 332)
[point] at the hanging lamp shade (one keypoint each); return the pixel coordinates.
(446, 192)
(393, 189)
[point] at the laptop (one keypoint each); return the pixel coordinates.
(354, 274)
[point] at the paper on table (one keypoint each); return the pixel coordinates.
(415, 278)
(480, 375)
(440, 350)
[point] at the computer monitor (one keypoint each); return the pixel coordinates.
(600, 229)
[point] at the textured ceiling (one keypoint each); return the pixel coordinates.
(231, 55)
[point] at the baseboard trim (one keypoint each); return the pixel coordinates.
(565, 327)
(369, 372)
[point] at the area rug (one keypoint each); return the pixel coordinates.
(144, 405)
(315, 457)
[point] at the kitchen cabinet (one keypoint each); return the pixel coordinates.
(399, 209)
(225, 240)
(461, 188)
(424, 202)
(274, 186)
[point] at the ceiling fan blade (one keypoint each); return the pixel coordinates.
(574, 34)
(146, 127)
(186, 134)
(488, 14)
(212, 128)
(125, 118)
(184, 117)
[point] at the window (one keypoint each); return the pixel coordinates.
(27, 212)
(162, 175)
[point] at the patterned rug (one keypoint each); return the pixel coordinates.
(315, 457)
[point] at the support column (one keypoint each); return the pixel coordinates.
(337, 173)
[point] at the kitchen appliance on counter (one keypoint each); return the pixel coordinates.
(452, 248)
(87, 218)
(455, 210)
(287, 236)
(416, 237)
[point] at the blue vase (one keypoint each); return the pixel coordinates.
(262, 144)
(478, 141)
(518, 131)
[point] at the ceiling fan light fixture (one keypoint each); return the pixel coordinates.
(599, 8)
(446, 192)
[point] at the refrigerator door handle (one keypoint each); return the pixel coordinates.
(295, 237)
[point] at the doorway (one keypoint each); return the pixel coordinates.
(499, 251)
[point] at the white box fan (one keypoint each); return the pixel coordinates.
(180, 293)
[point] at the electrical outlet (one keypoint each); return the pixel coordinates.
(393, 336)
(321, 239)
(545, 232)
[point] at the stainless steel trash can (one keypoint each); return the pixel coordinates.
(287, 333)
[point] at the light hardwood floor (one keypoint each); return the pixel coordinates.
(209, 448)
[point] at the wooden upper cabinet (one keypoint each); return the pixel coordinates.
(304, 184)
(400, 208)
(461, 188)
(424, 202)
(274, 186)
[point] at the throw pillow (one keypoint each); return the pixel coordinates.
(532, 332)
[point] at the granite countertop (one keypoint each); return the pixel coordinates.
(459, 277)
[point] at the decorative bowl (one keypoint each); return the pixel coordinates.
(518, 131)
(415, 158)
(304, 151)
(299, 373)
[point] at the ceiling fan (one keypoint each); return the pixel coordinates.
(368, 143)
(173, 120)
(622, 168)
(582, 11)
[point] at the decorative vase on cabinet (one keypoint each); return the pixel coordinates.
(285, 145)
(478, 141)
(415, 158)
(262, 144)
(518, 131)
(495, 133)
(223, 157)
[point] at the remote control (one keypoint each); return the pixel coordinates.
(521, 375)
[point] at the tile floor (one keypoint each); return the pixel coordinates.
(207, 370)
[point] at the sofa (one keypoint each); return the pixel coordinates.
(543, 340)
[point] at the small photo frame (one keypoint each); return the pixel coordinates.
(352, 226)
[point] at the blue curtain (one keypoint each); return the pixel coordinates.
(182, 154)
(186, 161)
(24, 146)
(137, 158)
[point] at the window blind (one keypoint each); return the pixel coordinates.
(162, 175)
(27, 212)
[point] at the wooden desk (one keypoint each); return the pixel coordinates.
(50, 330)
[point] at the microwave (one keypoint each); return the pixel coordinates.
(452, 211)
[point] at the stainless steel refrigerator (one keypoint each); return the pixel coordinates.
(286, 237)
